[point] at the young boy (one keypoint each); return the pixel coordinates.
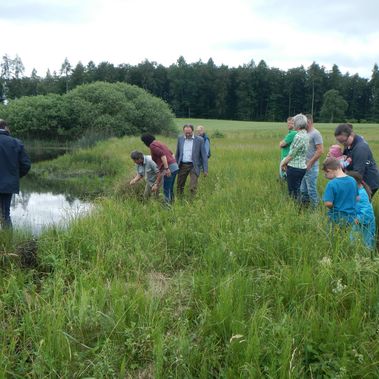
(341, 193)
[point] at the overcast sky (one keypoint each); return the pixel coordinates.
(284, 33)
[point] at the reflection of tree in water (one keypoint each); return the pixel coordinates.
(23, 199)
(70, 199)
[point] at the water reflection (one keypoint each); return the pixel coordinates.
(38, 210)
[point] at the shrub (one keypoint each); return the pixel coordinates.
(109, 109)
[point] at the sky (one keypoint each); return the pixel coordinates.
(284, 33)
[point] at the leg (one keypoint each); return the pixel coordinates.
(5, 202)
(168, 187)
(282, 174)
(184, 171)
(311, 179)
(304, 190)
(193, 182)
(294, 177)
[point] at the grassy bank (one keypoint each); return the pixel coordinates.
(238, 283)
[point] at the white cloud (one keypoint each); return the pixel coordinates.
(284, 34)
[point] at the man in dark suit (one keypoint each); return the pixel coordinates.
(191, 157)
(14, 163)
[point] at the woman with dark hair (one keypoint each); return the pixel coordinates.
(358, 150)
(165, 160)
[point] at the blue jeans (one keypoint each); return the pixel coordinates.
(294, 177)
(5, 203)
(308, 188)
(168, 187)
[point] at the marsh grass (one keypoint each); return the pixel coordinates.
(239, 282)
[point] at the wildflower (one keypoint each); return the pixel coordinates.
(339, 288)
(326, 262)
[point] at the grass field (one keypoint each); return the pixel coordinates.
(237, 284)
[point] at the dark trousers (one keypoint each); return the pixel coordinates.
(294, 178)
(5, 203)
(186, 169)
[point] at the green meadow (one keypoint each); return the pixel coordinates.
(239, 283)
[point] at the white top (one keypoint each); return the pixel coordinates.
(187, 149)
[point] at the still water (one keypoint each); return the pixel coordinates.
(35, 211)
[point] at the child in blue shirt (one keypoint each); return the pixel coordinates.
(341, 193)
(365, 223)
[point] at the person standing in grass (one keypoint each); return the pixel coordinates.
(14, 164)
(295, 163)
(341, 193)
(285, 144)
(192, 158)
(146, 168)
(200, 131)
(365, 223)
(168, 168)
(308, 188)
(358, 150)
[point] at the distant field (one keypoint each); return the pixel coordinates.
(239, 283)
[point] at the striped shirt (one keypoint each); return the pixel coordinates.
(298, 150)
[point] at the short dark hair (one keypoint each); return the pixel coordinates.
(3, 124)
(331, 163)
(345, 129)
(147, 139)
(136, 155)
(188, 126)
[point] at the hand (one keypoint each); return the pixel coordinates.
(309, 166)
(167, 172)
(283, 167)
(154, 188)
(132, 182)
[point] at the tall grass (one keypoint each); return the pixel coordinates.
(237, 283)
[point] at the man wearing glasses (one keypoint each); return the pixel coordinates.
(360, 153)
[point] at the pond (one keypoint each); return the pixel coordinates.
(35, 210)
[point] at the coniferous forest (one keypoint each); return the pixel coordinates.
(204, 90)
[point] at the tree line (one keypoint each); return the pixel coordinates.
(204, 90)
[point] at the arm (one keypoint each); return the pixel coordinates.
(207, 147)
(157, 183)
(136, 179)
(177, 152)
(204, 158)
(24, 162)
(166, 169)
(316, 156)
(328, 196)
(295, 145)
(360, 155)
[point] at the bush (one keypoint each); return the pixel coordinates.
(109, 109)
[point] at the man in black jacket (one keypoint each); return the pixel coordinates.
(14, 163)
(360, 153)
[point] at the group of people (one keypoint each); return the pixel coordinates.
(190, 159)
(350, 167)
